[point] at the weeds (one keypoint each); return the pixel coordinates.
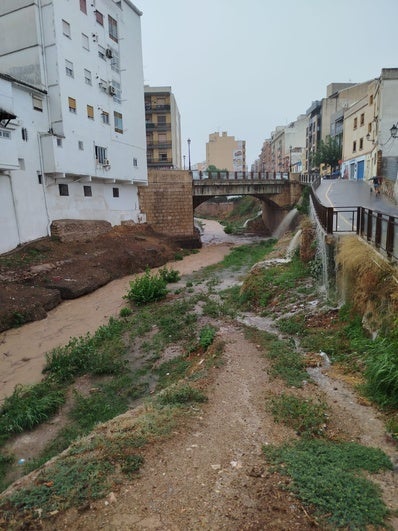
(169, 275)
(181, 395)
(147, 288)
(326, 475)
(307, 417)
(29, 406)
(206, 336)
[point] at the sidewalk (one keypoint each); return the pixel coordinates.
(342, 193)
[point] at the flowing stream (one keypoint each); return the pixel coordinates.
(22, 350)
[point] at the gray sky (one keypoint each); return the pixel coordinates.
(246, 67)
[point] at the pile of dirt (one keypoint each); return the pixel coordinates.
(37, 277)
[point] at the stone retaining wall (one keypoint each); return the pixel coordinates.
(75, 230)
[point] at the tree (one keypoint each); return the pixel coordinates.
(211, 167)
(328, 153)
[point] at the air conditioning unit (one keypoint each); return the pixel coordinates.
(94, 37)
(106, 163)
(111, 90)
(109, 53)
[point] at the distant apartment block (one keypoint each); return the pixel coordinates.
(163, 128)
(226, 153)
(72, 122)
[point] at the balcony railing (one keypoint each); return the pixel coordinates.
(156, 108)
(377, 228)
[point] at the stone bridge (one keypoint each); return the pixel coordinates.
(171, 197)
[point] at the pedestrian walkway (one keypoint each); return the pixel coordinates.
(343, 193)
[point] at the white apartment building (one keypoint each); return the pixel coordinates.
(71, 114)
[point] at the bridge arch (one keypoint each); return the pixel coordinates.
(171, 196)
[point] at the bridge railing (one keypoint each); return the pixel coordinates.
(239, 175)
(377, 228)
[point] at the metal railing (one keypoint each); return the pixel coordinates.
(375, 227)
(239, 175)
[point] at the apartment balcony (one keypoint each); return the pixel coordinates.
(158, 145)
(151, 126)
(159, 161)
(156, 108)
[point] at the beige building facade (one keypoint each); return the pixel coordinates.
(163, 128)
(226, 153)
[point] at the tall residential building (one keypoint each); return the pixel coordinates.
(73, 82)
(163, 128)
(226, 153)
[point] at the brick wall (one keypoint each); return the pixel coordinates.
(167, 202)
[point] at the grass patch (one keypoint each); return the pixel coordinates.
(286, 362)
(206, 336)
(181, 395)
(294, 326)
(29, 406)
(327, 475)
(262, 286)
(307, 417)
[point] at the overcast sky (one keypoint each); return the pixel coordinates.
(247, 67)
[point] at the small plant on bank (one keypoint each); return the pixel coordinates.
(206, 336)
(125, 312)
(147, 288)
(169, 275)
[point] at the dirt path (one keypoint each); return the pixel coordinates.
(211, 476)
(22, 350)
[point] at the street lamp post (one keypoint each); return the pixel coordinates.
(184, 160)
(290, 159)
(189, 154)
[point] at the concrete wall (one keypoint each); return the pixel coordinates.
(167, 203)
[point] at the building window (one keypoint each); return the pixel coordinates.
(354, 146)
(118, 118)
(85, 41)
(103, 85)
(100, 154)
(24, 133)
(135, 162)
(362, 119)
(83, 6)
(87, 77)
(39, 178)
(63, 189)
(371, 99)
(66, 28)
(163, 157)
(68, 68)
(59, 142)
(90, 112)
(355, 123)
(72, 105)
(5, 134)
(112, 24)
(80, 145)
(115, 61)
(115, 192)
(101, 52)
(161, 119)
(87, 191)
(21, 164)
(105, 117)
(99, 17)
(117, 96)
(37, 103)
(360, 144)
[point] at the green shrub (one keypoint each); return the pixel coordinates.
(206, 336)
(147, 288)
(125, 312)
(326, 475)
(169, 275)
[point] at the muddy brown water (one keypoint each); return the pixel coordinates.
(22, 350)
